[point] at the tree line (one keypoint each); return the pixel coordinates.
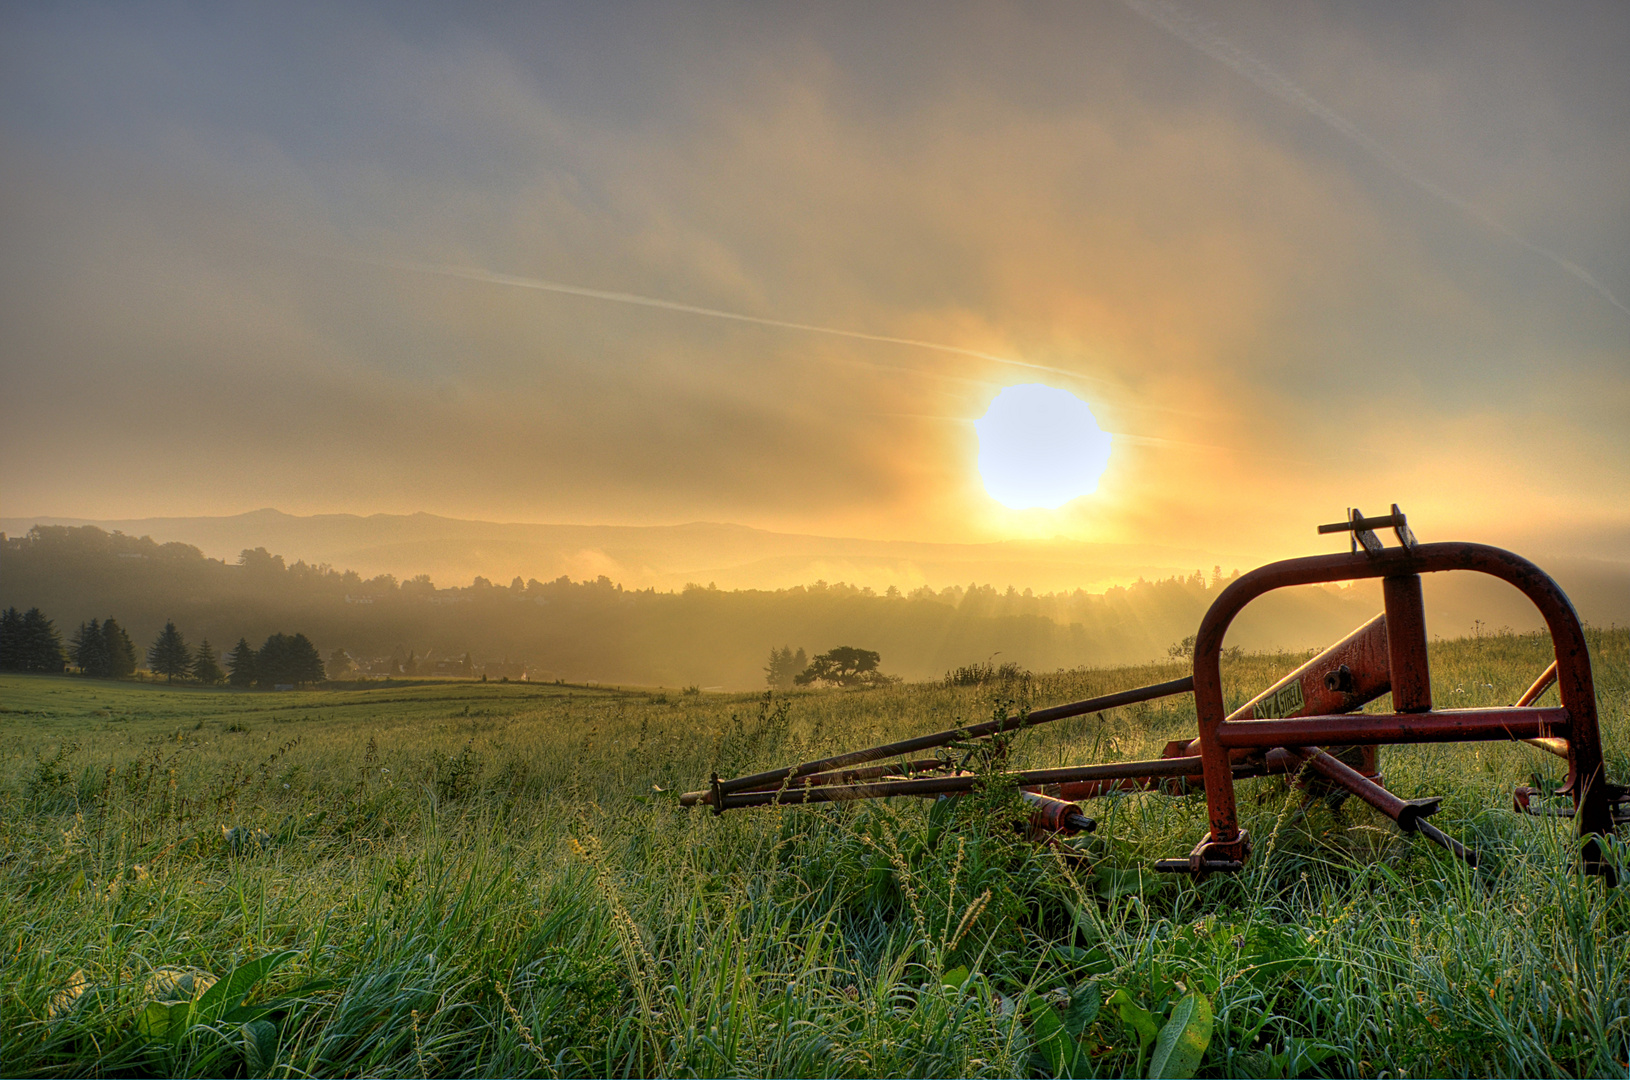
(598, 630)
(102, 649)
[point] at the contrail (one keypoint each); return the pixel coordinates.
(468, 273)
(1197, 32)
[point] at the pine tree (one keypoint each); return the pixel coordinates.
(241, 662)
(205, 667)
(121, 652)
(288, 659)
(272, 662)
(41, 645)
(88, 649)
(783, 667)
(305, 662)
(11, 640)
(169, 655)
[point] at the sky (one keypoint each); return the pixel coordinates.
(769, 264)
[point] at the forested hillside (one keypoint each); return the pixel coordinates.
(597, 630)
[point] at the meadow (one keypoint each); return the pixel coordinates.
(455, 878)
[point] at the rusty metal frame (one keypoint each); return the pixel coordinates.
(1304, 724)
(1575, 722)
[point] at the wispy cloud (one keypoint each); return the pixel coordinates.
(1194, 29)
(468, 273)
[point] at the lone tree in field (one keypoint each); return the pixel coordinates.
(169, 655)
(844, 666)
(205, 667)
(241, 663)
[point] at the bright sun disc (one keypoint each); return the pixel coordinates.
(1040, 447)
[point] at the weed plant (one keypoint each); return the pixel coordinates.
(485, 879)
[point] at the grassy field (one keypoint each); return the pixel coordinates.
(488, 879)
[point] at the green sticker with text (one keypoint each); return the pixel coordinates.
(1285, 701)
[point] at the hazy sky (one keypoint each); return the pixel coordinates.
(1294, 256)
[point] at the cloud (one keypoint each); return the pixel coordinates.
(1198, 32)
(766, 272)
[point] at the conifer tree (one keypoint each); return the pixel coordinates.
(11, 640)
(30, 642)
(305, 662)
(169, 655)
(39, 644)
(88, 649)
(205, 667)
(241, 663)
(121, 652)
(288, 659)
(783, 667)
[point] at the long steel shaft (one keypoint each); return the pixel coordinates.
(794, 794)
(951, 735)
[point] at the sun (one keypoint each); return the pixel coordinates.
(1040, 447)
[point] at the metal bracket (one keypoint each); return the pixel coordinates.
(1533, 802)
(1363, 529)
(1201, 860)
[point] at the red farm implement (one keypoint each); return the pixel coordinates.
(1306, 724)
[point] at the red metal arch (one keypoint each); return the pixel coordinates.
(1415, 721)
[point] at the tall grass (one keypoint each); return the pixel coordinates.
(497, 880)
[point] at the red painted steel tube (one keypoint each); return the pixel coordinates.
(1559, 747)
(1456, 725)
(1575, 684)
(1409, 814)
(793, 795)
(1273, 763)
(897, 769)
(951, 735)
(1406, 643)
(1404, 813)
(864, 772)
(1538, 687)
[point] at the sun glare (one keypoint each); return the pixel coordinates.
(1040, 447)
